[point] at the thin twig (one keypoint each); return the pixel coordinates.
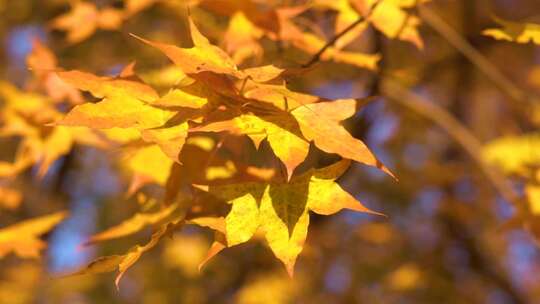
(336, 37)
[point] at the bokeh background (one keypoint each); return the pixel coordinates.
(448, 235)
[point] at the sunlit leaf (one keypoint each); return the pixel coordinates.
(321, 122)
(281, 209)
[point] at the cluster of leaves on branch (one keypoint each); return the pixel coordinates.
(218, 138)
(220, 133)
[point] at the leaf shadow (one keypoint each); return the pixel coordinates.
(289, 200)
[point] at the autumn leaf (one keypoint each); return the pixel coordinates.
(281, 209)
(515, 31)
(133, 224)
(85, 18)
(281, 131)
(514, 154)
(169, 139)
(202, 57)
(23, 238)
(148, 163)
(320, 122)
(25, 114)
(178, 98)
(124, 105)
(123, 262)
(101, 87)
(279, 96)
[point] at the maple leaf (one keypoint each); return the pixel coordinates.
(169, 139)
(202, 57)
(148, 164)
(515, 31)
(128, 104)
(25, 114)
(101, 87)
(23, 238)
(279, 96)
(133, 224)
(123, 262)
(178, 98)
(85, 18)
(281, 209)
(282, 133)
(320, 122)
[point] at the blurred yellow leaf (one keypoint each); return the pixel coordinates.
(514, 154)
(533, 198)
(133, 224)
(390, 17)
(85, 18)
(270, 288)
(185, 252)
(23, 238)
(405, 277)
(9, 198)
(515, 31)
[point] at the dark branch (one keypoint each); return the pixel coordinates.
(336, 37)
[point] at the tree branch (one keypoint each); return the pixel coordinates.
(502, 82)
(317, 57)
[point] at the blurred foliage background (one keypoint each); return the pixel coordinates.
(450, 235)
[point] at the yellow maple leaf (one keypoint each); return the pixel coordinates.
(202, 57)
(281, 209)
(320, 122)
(133, 224)
(281, 131)
(23, 238)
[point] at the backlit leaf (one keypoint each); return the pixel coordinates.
(281, 209)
